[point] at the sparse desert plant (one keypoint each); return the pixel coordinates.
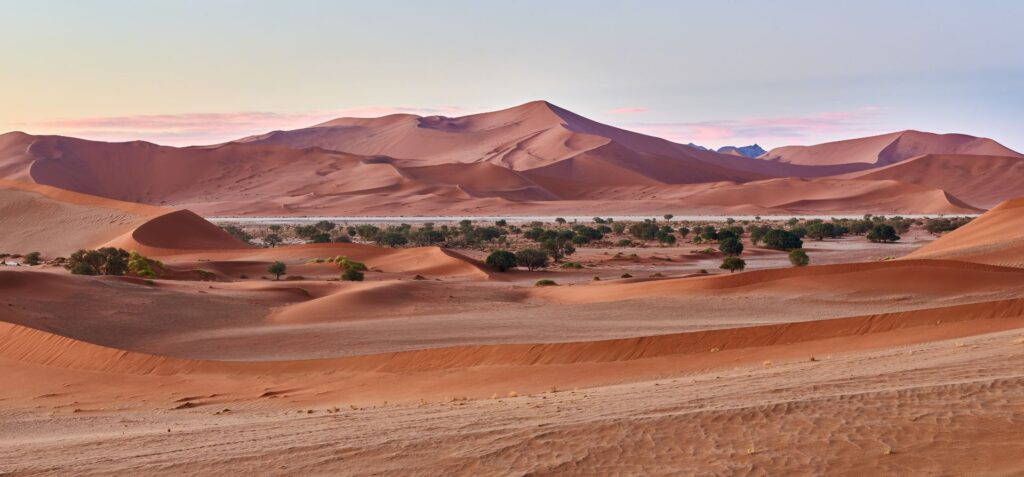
(501, 260)
(545, 283)
(532, 258)
(143, 266)
(105, 261)
(799, 258)
(272, 240)
(733, 263)
(31, 258)
(626, 275)
(575, 265)
(352, 275)
(277, 269)
(779, 239)
(731, 247)
(883, 233)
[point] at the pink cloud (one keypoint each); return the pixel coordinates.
(208, 128)
(781, 130)
(628, 110)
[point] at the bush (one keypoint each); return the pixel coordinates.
(142, 266)
(501, 260)
(624, 243)
(532, 259)
(352, 275)
(277, 269)
(799, 258)
(883, 233)
(732, 264)
(545, 283)
(344, 262)
(626, 275)
(731, 247)
(31, 258)
(576, 265)
(779, 239)
(105, 261)
(392, 239)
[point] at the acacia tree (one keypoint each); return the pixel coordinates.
(731, 247)
(733, 263)
(532, 259)
(502, 260)
(883, 233)
(277, 269)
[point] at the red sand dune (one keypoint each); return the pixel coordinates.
(57, 222)
(529, 158)
(27, 345)
(982, 181)
(997, 237)
(939, 278)
(887, 149)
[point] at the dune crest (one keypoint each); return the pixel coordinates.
(997, 238)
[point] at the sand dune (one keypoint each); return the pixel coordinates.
(38, 218)
(997, 237)
(981, 181)
(936, 278)
(886, 149)
(535, 156)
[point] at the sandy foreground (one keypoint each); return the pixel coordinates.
(878, 359)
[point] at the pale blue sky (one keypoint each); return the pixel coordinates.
(774, 72)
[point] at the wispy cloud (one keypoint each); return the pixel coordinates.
(628, 110)
(207, 128)
(773, 131)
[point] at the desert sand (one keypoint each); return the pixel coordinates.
(535, 158)
(438, 364)
(640, 358)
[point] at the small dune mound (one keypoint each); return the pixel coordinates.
(177, 231)
(996, 238)
(362, 301)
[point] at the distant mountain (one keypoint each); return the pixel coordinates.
(745, 151)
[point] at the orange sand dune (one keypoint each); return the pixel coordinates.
(522, 160)
(997, 238)
(57, 222)
(27, 345)
(871, 279)
(828, 195)
(175, 231)
(38, 218)
(982, 181)
(887, 149)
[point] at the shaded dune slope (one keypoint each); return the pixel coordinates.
(997, 237)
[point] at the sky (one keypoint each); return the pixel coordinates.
(714, 73)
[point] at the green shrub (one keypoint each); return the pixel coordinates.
(799, 258)
(733, 263)
(545, 283)
(532, 258)
(501, 260)
(352, 275)
(31, 258)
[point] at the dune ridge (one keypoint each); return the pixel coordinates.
(535, 156)
(993, 238)
(29, 345)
